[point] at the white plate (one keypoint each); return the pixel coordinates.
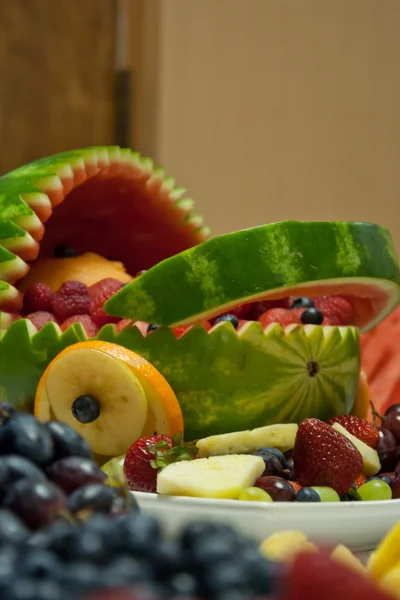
(358, 525)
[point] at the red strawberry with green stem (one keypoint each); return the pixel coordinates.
(323, 456)
(148, 455)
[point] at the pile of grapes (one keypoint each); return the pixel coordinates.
(66, 535)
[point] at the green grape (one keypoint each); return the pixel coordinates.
(327, 494)
(255, 494)
(375, 489)
(114, 469)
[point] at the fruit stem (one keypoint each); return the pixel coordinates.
(376, 415)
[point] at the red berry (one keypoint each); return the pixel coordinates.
(323, 456)
(38, 298)
(40, 318)
(315, 575)
(361, 429)
(139, 473)
(337, 309)
(179, 331)
(72, 298)
(100, 292)
(282, 316)
(87, 323)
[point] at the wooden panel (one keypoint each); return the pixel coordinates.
(56, 84)
(271, 109)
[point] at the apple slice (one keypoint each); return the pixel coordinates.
(370, 456)
(215, 477)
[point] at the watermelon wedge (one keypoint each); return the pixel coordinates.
(269, 262)
(106, 200)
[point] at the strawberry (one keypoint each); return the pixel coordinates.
(323, 456)
(148, 455)
(337, 309)
(256, 309)
(282, 316)
(312, 576)
(361, 429)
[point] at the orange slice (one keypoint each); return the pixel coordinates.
(87, 268)
(131, 397)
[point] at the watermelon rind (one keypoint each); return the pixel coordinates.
(224, 380)
(29, 194)
(277, 259)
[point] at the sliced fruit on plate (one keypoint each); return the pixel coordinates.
(269, 262)
(104, 200)
(280, 436)
(282, 546)
(109, 394)
(215, 477)
(386, 556)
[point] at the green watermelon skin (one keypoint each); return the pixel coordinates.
(224, 381)
(31, 194)
(251, 264)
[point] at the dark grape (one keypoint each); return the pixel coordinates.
(73, 472)
(394, 408)
(94, 496)
(392, 423)
(64, 251)
(386, 449)
(395, 486)
(273, 465)
(13, 468)
(24, 435)
(36, 503)
(288, 472)
(279, 489)
(67, 442)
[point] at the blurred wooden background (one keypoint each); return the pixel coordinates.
(264, 109)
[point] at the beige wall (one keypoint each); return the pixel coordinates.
(279, 109)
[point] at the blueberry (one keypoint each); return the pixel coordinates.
(90, 546)
(209, 549)
(38, 564)
(86, 408)
(262, 574)
(81, 577)
(25, 436)
(9, 557)
(124, 570)
(311, 316)
(138, 534)
(152, 327)
(194, 531)
(307, 494)
(302, 303)
(64, 251)
(67, 442)
(31, 589)
(6, 410)
(183, 584)
(12, 529)
(166, 558)
(228, 319)
(226, 576)
(385, 478)
(56, 537)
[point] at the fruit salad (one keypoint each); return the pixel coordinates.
(65, 533)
